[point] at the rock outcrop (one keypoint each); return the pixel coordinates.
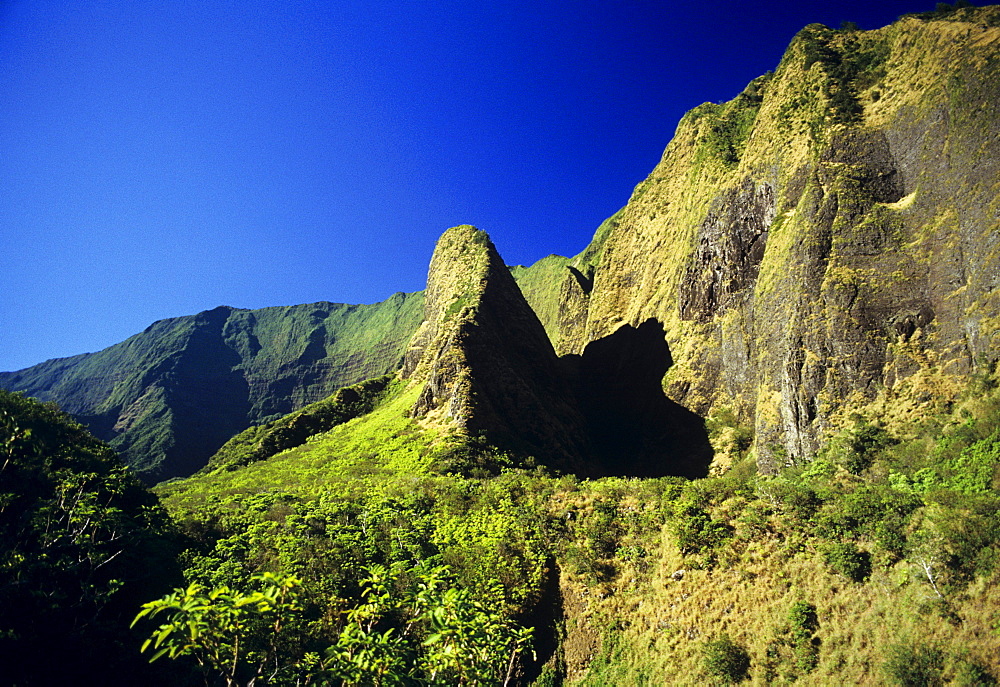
(484, 361)
(827, 243)
(487, 368)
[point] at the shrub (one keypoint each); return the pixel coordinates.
(844, 558)
(973, 674)
(913, 666)
(725, 659)
(804, 623)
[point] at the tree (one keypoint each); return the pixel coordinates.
(81, 543)
(232, 635)
(431, 631)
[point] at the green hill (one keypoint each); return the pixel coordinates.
(794, 317)
(169, 397)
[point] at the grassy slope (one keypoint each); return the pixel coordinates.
(356, 454)
(540, 283)
(749, 547)
(168, 397)
(543, 282)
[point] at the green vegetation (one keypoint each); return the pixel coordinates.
(855, 530)
(728, 133)
(264, 441)
(81, 543)
(913, 666)
(726, 660)
(851, 63)
(353, 559)
(149, 396)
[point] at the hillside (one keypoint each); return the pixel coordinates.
(166, 399)
(750, 434)
(822, 245)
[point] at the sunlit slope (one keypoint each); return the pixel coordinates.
(167, 398)
(826, 243)
(353, 456)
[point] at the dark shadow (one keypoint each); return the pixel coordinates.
(548, 617)
(635, 430)
(586, 283)
(208, 397)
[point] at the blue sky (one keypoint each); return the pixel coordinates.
(162, 158)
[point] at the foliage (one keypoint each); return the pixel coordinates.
(857, 448)
(232, 635)
(471, 457)
(804, 625)
(725, 659)
(695, 530)
(913, 666)
(264, 441)
(81, 540)
(851, 64)
(730, 124)
(432, 632)
(844, 558)
(442, 635)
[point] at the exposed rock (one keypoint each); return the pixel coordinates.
(487, 367)
(485, 362)
(826, 243)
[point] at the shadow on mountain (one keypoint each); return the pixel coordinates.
(635, 430)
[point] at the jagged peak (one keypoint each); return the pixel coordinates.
(465, 264)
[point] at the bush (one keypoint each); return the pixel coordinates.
(973, 674)
(846, 559)
(804, 623)
(724, 658)
(911, 666)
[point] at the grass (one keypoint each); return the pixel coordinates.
(354, 455)
(146, 394)
(639, 609)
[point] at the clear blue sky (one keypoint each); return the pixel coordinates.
(162, 158)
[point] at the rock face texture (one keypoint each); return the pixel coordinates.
(827, 243)
(487, 367)
(485, 363)
(169, 397)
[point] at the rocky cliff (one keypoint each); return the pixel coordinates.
(827, 243)
(487, 367)
(484, 361)
(169, 397)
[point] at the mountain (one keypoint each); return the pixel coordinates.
(821, 248)
(484, 361)
(825, 245)
(169, 397)
(797, 310)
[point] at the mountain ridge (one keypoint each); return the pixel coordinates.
(168, 397)
(821, 246)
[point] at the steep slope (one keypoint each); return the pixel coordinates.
(484, 361)
(263, 441)
(167, 398)
(827, 243)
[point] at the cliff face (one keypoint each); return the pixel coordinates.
(169, 397)
(487, 367)
(826, 243)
